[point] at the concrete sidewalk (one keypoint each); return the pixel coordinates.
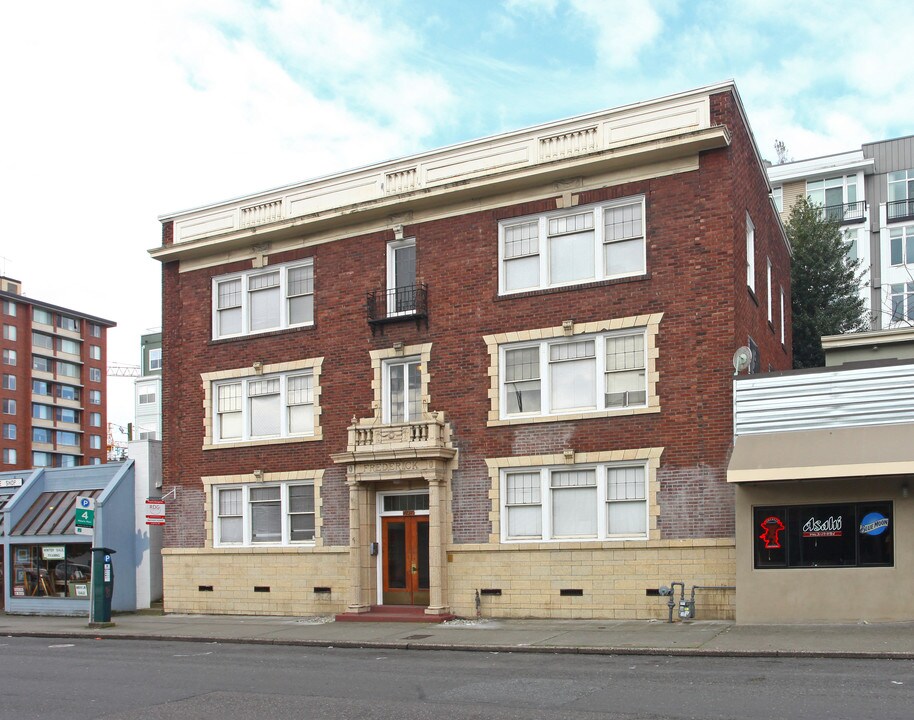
(697, 638)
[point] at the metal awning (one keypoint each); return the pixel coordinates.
(862, 451)
(4, 500)
(53, 513)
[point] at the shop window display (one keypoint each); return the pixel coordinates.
(53, 570)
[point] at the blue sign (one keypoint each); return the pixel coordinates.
(874, 524)
(84, 502)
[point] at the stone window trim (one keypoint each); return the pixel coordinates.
(649, 323)
(650, 456)
(384, 355)
(264, 478)
(208, 380)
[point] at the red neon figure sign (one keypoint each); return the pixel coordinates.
(772, 526)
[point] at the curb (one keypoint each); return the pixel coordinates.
(457, 647)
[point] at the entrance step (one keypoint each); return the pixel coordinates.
(394, 613)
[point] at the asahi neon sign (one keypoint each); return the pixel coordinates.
(822, 528)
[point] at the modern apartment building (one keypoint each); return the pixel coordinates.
(495, 375)
(54, 383)
(148, 408)
(870, 192)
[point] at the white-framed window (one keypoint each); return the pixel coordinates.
(68, 323)
(901, 245)
(569, 247)
(9, 406)
(155, 359)
(264, 299)
(95, 352)
(263, 407)
(567, 375)
(95, 461)
(402, 390)
(95, 419)
(95, 330)
(750, 253)
(9, 357)
(68, 346)
(65, 437)
(777, 194)
(9, 308)
(901, 184)
(783, 327)
(9, 456)
(95, 397)
(264, 514)
(69, 369)
(95, 442)
(95, 374)
(770, 298)
(603, 501)
(901, 296)
(9, 332)
(42, 316)
(9, 431)
(401, 277)
(9, 382)
(146, 394)
(833, 195)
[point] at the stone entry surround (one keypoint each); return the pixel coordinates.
(406, 456)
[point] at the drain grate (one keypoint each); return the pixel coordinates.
(417, 637)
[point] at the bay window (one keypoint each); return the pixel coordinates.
(568, 375)
(596, 242)
(262, 300)
(264, 514)
(604, 501)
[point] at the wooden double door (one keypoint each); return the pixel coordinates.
(405, 560)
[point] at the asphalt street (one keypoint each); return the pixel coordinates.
(76, 678)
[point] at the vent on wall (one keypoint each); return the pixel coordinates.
(571, 592)
(322, 590)
(490, 591)
(261, 588)
(204, 588)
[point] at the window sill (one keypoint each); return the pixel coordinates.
(563, 543)
(263, 334)
(752, 295)
(496, 422)
(571, 288)
(272, 441)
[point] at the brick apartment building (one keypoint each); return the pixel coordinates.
(502, 367)
(54, 383)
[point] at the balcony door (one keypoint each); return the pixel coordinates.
(402, 391)
(401, 277)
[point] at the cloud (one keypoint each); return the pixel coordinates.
(622, 29)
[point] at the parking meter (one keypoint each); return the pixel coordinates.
(102, 584)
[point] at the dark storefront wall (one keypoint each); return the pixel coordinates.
(825, 569)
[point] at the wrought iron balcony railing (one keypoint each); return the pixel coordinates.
(899, 210)
(396, 304)
(846, 213)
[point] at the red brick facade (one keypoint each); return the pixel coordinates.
(696, 242)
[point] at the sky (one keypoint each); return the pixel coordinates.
(118, 112)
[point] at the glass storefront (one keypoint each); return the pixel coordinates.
(53, 570)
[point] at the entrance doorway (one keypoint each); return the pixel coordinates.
(405, 544)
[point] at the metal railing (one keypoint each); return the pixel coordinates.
(410, 301)
(846, 212)
(899, 209)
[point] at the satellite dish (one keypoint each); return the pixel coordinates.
(741, 359)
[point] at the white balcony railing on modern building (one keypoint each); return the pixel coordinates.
(845, 396)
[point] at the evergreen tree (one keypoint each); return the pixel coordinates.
(824, 283)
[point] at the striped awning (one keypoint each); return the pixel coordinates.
(53, 513)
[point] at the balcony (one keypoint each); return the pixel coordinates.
(377, 451)
(396, 305)
(897, 210)
(846, 213)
